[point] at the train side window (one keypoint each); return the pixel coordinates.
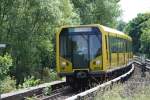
(112, 44)
(125, 45)
(122, 45)
(122, 50)
(113, 47)
(128, 46)
(118, 45)
(131, 46)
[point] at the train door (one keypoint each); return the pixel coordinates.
(107, 51)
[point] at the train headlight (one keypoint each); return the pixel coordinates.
(98, 62)
(63, 64)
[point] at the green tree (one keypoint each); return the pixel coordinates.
(98, 11)
(145, 38)
(135, 27)
(5, 64)
(28, 27)
(121, 25)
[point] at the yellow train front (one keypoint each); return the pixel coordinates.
(90, 51)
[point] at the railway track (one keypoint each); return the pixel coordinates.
(32, 91)
(59, 91)
(55, 94)
(61, 95)
(134, 73)
(71, 94)
(93, 91)
(145, 63)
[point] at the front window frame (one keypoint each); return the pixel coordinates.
(89, 34)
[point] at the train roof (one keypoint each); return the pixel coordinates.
(107, 29)
(111, 30)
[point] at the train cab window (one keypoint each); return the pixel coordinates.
(113, 44)
(65, 47)
(80, 50)
(95, 46)
(80, 45)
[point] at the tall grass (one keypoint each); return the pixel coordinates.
(123, 92)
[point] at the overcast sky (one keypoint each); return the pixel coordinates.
(132, 7)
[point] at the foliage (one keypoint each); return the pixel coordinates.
(53, 76)
(145, 39)
(7, 85)
(5, 64)
(28, 28)
(121, 25)
(135, 29)
(49, 75)
(98, 11)
(47, 90)
(29, 82)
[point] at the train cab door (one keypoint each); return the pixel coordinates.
(107, 52)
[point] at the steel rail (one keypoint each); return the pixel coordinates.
(21, 94)
(83, 94)
(55, 95)
(145, 64)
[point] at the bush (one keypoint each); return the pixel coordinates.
(49, 75)
(5, 63)
(7, 85)
(30, 81)
(47, 91)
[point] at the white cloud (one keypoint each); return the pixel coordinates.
(132, 7)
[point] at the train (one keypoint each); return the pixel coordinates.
(91, 51)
